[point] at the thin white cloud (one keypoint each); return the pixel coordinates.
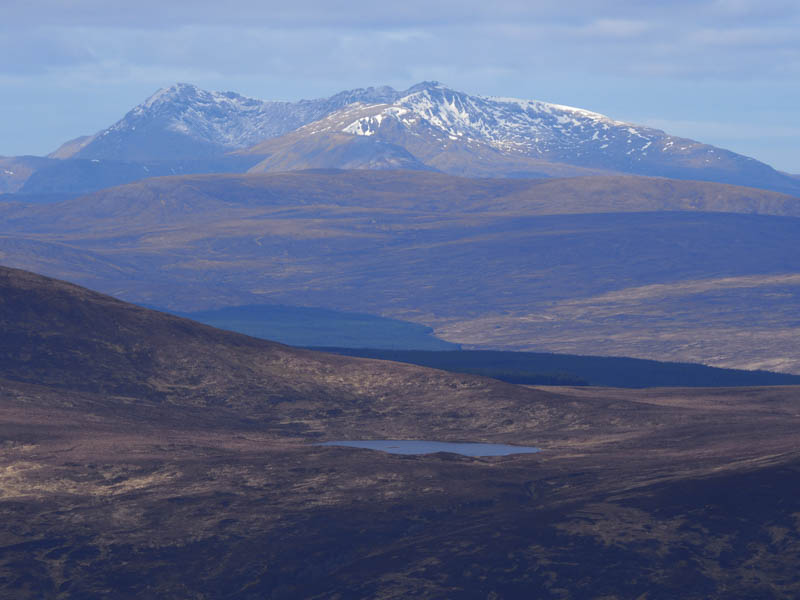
(157, 14)
(739, 38)
(618, 47)
(749, 9)
(617, 29)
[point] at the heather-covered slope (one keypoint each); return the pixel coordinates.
(145, 455)
(59, 335)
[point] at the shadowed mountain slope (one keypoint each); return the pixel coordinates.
(144, 455)
(185, 122)
(81, 176)
(16, 170)
(63, 336)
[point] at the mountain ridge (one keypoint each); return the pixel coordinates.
(218, 121)
(426, 126)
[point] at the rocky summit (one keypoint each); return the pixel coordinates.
(428, 126)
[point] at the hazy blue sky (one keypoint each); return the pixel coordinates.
(725, 72)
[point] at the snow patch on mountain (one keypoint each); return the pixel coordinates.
(526, 127)
(370, 124)
(220, 121)
(429, 120)
(224, 118)
(529, 127)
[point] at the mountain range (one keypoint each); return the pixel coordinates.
(183, 129)
(522, 258)
(144, 454)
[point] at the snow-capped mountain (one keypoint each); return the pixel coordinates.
(512, 125)
(183, 121)
(462, 134)
(426, 126)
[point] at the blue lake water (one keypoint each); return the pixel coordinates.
(426, 447)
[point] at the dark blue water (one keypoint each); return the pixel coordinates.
(426, 447)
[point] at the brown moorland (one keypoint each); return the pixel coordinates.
(143, 455)
(643, 267)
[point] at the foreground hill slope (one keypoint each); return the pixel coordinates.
(145, 455)
(621, 266)
(59, 335)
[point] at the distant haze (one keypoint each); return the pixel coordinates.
(724, 72)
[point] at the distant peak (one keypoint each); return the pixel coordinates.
(379, 94)
(426, 85)
(175, 91)
(180, 86)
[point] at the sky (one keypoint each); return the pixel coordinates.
(724, 72)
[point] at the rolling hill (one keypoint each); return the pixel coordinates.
(620, 266)
(147, 455)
